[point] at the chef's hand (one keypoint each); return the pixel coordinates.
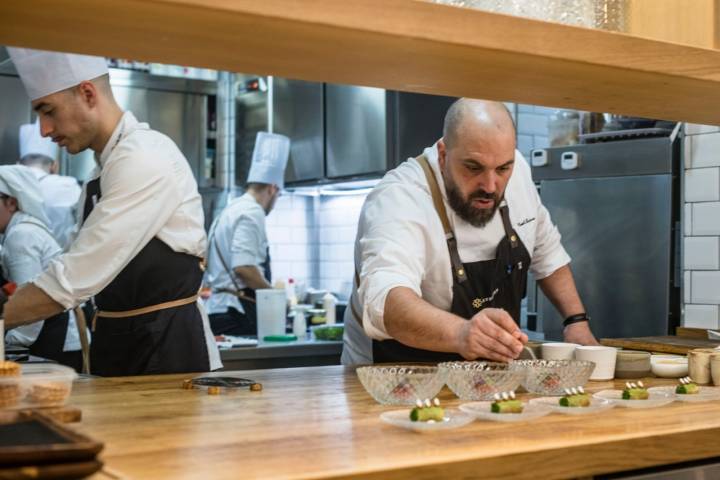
(491, 334)
(579, 333)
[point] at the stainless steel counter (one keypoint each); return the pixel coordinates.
(303, 353)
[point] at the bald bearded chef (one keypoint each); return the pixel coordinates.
(444, 245)
(140, 245)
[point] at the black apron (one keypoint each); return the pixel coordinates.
(171, 340)
(50, 342)
(497, 283)
(248, 299)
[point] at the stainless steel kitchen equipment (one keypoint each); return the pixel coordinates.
(616, 205)
(14, 109)
(174, 106)
(341, 133)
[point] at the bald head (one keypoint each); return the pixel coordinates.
(476, 117)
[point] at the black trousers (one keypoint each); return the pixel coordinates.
(233, 322)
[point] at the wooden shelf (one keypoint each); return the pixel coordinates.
(396, 44)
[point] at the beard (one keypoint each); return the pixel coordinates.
(477, 217)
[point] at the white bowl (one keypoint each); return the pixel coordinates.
(558, 351)
(669, 366)
(603, 357)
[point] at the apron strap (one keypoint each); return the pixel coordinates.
(238, 293)
(142, 311)
(353, 309)
(457, 266)
(507, 225)
(81, 323)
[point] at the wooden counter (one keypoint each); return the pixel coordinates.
(318, 422)
(395, 44)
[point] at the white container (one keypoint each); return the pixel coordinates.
(299, 324)
(603, 357)
(329, 302)
(669, 366)
(271, 312)
(39, 385)
(558, 351)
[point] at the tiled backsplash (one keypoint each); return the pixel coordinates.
(312, 239)
(701, 215)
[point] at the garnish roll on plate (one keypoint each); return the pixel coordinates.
(426, 416)
(505, 408)
(635, 395)
(575, 402)
(689, 391)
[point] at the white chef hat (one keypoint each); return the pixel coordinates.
(269, 159)
(31, 142)
(44, 73)
(19, 182)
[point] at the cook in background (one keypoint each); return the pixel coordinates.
(60, 193)
(139, 248)
(27, 249)
(238, 251)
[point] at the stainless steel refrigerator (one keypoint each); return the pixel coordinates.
(616, 205)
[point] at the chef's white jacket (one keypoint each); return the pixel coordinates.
(60, 196)
(401, 243)
(239, 235)
(28, 248)
(148, 190)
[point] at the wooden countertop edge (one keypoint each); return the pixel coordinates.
(562, 463)
(395, 44)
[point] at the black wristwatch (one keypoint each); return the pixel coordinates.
(580, 317)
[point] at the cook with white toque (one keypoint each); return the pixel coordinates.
(60, 193)
(141, 241)
(239, 256)
(28, 248)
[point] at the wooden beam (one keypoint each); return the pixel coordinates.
(396, 44)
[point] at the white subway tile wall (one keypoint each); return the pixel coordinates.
(532, 128)
(701, 218)
(312, 240)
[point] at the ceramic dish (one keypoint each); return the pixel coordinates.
(657, 399)
(669, 366)
(481, 410)
(706, 394)
(401, 418)
(596, 405)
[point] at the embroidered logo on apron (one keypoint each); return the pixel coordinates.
(479, 302)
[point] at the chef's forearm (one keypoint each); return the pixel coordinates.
(251, 276)
(414, 322)
(29, 304)
(560, 289)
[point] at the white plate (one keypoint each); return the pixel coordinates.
(596, 405)
(401, 418)
(482, 411)
(657, 399)
(705, 394)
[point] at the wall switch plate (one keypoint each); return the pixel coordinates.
(570, 161)
(539, 158)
